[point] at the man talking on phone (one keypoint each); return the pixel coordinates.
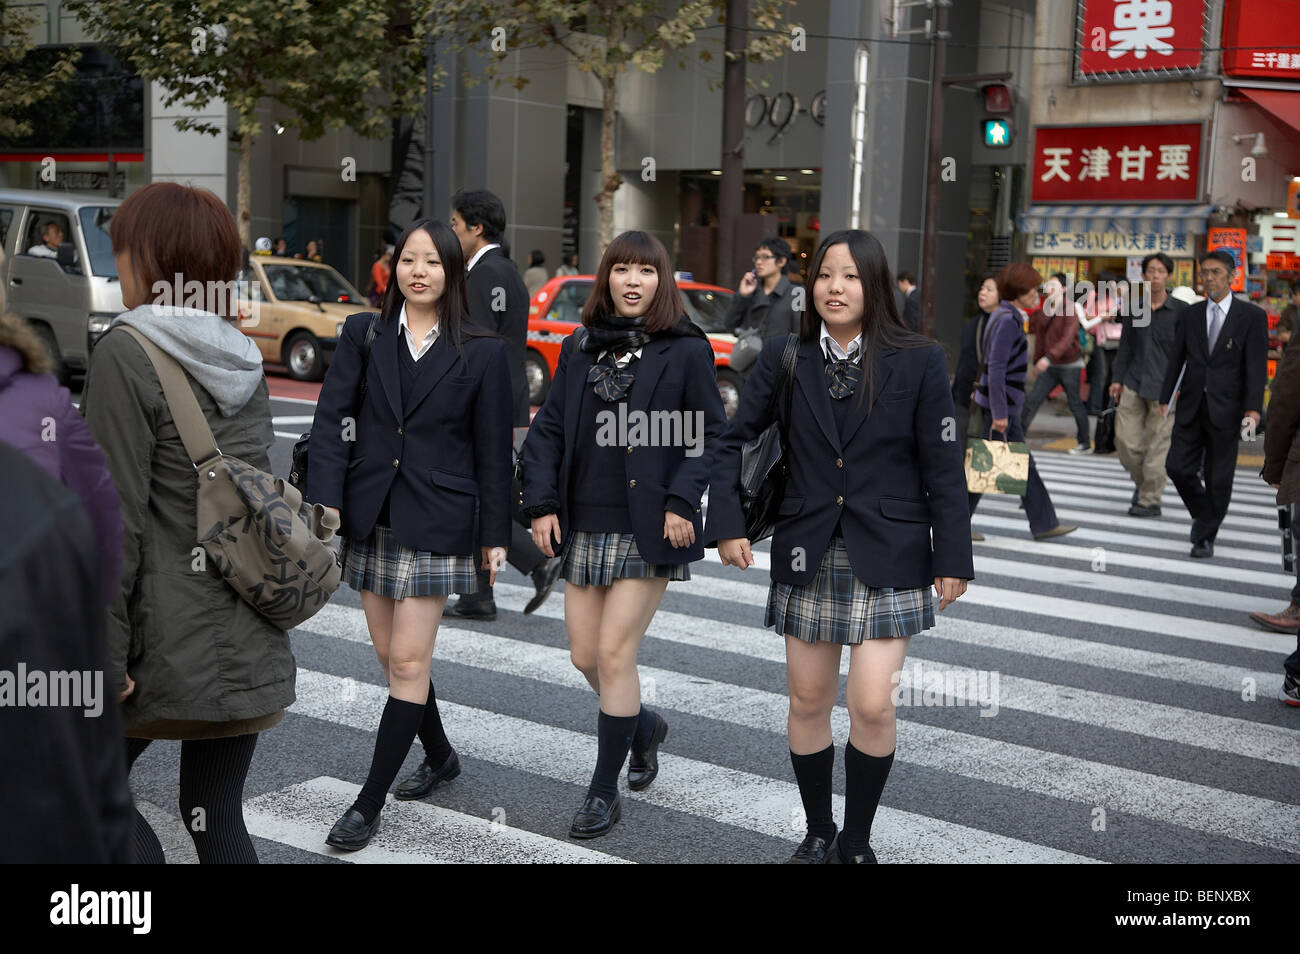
(764, 298)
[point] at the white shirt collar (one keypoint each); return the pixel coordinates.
(1224, 303)
(417, 349)
(479, 254)
(624, 361)
(832, 347)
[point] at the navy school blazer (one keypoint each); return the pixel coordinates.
(896, 481)
(449, 447)
(674, 373)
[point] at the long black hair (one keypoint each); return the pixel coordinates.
(453, 307)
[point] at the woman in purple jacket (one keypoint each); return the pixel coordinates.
(37, 417)
(1000, 392)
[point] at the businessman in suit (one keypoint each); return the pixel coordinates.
(1222, 343)
(911, 300)
(498, 300)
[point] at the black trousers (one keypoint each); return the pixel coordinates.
(1207, 502)
(522, 554)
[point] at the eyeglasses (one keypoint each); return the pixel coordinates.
(764, 257)
(1214, 272)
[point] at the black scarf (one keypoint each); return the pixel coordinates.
(620, 335)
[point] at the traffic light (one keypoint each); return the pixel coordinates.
(999, 101)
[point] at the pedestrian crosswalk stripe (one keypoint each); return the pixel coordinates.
(1121, 496)
(1097, 709)
(1255, 533)
(1061, 550)
(704, 789)
(410, 832)
(989, 518)
(1236, 815)
(764, 643)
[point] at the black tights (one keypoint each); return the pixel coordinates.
(212, 794)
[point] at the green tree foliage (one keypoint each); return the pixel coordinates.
(21, 86)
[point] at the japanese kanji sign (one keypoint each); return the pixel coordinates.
(1120, 36)
(1113, 242)
(1156, 163)
(1262, 38)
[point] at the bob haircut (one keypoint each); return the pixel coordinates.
(1016, 279)
(169, 229)
(636, 248)
(453, 307)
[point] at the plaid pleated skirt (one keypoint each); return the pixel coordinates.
(598, 559)
(386, 568)
(837, 607)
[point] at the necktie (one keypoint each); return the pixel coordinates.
(843, 375)
(610, 382)
(1216, 323)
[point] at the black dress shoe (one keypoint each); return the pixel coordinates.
(1203, 549)
(596, 817)
(813, 850)
(1137, 510)
(838, 857)
(643, 765)
(351, 833)
(485, 610)
(544, 578)
(423, 779)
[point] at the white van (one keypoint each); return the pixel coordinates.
(58, 269)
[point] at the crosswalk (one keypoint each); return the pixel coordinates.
(1135, 718)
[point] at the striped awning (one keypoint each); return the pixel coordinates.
(1167, 219)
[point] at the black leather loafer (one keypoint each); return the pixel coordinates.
(643, 766)
(351, 833)
(482, 610)
(838, 857)
(544, 578)
(1139, 510)
(596, 817)
(813, 850)
(426, 777)
(1203, 549)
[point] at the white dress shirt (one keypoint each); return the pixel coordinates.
(623, 361)
(479, 254)
(1224, 304)
(417, 349)
(832, 349)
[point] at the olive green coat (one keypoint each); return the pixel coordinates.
(204, 662)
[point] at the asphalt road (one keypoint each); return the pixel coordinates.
(1136, 715)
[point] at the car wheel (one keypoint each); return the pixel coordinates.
(303, 356)
(46, 334)
(538, 377)
(729, 390)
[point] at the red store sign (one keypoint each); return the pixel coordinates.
(1157, 163)
(1120, 36)
(1262, 38)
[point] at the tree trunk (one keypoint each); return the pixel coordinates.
(244, 199)
(610, 180)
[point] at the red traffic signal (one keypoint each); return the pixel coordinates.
(998, 98)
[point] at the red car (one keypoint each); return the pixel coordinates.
(556, 310)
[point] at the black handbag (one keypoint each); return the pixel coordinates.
(1103, 439)
(298, 463)
(763, 465)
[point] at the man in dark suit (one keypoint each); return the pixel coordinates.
(498, 301)
(911, 300)
(1221, 351)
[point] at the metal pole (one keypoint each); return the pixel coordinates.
(430, 60)
(930, 237)
(732, 187)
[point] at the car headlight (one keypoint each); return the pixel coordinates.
(99, 322)
(338, 329)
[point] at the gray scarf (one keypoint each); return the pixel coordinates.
(214, 351)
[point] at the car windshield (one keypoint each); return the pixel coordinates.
(94, 228)
(711, 307)
(303, 282)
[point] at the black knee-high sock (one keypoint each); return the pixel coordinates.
(212, 779)
(864, 780)
(645, 729)
(436, 747)
(813, 773)
(397, 728)
(614, 736)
